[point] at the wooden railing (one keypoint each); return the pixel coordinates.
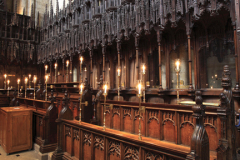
(172, 123)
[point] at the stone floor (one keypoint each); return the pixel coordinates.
(24, 155)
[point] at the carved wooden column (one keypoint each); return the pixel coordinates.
(137, 47)
(118, 51)
(127, 76)
(188, 31)
(103, 53)
(236, 57)
(226, 148)
(70, 72)
(199, 141)
(51, 72)
(91, 68)
(189, 62)
(159, 34)
(63, 69)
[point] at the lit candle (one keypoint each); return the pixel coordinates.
(139, 88)
(215, 75)
(18, 81)
(105, 88)
(8, 82)
(35, 79)
(29, 76)
(46, 77)
(81, 88)
(81, 59)
(85, 69)
(144, 69)
(118, 72)
(46, 67)
(26, 80)
(55, 65)
(67, 63)
(177, 64)
(5, 76)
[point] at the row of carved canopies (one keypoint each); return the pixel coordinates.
(84, 24)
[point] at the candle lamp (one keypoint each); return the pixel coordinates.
(67, 64)
(5, 82)
(46, 68)
(143, 81)
(26, 80)
(18, 82)
(29, 80)
(139, 94)
(34, 83)
(177, 69)
(81, 87)
(105, 92)
(8, 82)
(46, 78)
(55, 67)
(119, 81)
(81, 62)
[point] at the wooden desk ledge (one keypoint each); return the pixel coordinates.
(180, 151)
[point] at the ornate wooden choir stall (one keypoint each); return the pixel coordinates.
(128, 79)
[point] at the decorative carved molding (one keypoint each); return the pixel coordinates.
(187, 122)
(99, 143)
(114, 148)
(87, 138)
(152, 156)
(131, 153)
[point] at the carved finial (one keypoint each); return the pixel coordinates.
(57, 8)
(38, 25)
(51, 11)
(15, 7)
(63, 5)
(65, 99)
(24, 11)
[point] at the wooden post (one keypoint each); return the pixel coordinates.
(199, 141)
(189, 62)
(137, 47)
(226, 148)
(63, 67)
(236, 57)
(159, 34)
(91, 68)
(51, 72)
(103, 53)
(70, 71)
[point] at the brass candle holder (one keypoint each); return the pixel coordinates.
(46, 78)
(143, 81)
(55, 67)
(26, 80)
(34, 82)
(105, 89)
(8, 82)
(67, 64)
(5, 81)
(18, 82)
(177, 69)
(139, 94)
(119, 82)
(80, 93)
